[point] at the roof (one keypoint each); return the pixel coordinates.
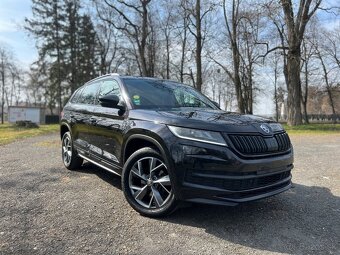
(102, 76)
(133, 77)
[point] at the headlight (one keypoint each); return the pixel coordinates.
(276, 127)
(198, 135)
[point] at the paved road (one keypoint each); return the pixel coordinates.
(46, 209)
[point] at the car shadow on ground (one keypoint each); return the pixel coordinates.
(303, 220)
(110, 178)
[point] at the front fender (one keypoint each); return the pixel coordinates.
(161, 138)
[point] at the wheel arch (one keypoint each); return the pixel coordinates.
(151, 140)
(64, 127)
(138, 141)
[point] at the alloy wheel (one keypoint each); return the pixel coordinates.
(67, 150)
(149, 182)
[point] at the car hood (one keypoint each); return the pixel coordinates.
(215, 120)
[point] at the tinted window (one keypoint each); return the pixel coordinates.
(76, 95)
(151, 94)
(89, 94)
(109, 87)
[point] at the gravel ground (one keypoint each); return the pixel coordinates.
(46, 209)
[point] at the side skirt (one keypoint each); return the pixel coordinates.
(98, 164)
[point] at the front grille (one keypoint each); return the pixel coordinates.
(256, 144)
(234, 184)
(283, 141)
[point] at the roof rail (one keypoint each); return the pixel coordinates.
(102, 76)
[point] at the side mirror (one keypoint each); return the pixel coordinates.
(216, 104)
(111, 101)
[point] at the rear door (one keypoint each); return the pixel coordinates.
(82, 113)
(73, 115)
(106, 134)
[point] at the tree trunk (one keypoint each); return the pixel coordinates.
(275, 91)
(232, 32)
(294, 87)
(328, 86)
(142, 47)
(198, 46)
(183, 50)
(58, 48)
(167, 57)
(295, 27)
(3, 90)
(305, 96)
(331, 102)
(237, 82)
(305, 113)
(250, 89)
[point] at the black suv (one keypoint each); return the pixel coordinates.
(170, 143)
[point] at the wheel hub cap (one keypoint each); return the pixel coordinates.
(149, 182)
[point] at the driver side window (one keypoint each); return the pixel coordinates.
(109, 87)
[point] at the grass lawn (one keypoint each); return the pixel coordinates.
(313, 129)
(10, 133)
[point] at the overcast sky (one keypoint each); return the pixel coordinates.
(12, 35)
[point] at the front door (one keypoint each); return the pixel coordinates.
(106, 134)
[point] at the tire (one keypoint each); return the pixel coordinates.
(147, 185)
(69, 155)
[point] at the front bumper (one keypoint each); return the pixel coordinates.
(215, 174)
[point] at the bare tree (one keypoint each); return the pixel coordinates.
(198, 35)
(291, 30)
(134, 23)
(3, 63)
(250, 24)
(327, 82)
(167, 25)
(14, 92)
(275, 67)
(327, 67)
(183, 35)
(331, 45)
(37, 86)
(307, 53)
(296, 25)
(181, 41)
(232, 27)
(198, 28)
(108, 48)
(6, 67)
(243, 27)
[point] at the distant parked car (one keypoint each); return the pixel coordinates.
(170, 143)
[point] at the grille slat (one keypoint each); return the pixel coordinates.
(280, 142)
(256, 144)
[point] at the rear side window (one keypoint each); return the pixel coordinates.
(109, 87)
(89, 94)
(76, 96)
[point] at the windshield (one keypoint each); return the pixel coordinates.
(159, 94)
